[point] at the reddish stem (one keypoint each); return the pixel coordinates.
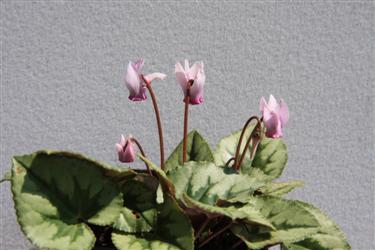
(236, 165)
(143, 154)
(158, 121)
(186, 117)
(255, 139)
(215, 234)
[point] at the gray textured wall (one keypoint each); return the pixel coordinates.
(62, 87)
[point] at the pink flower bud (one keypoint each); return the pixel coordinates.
(275, 116)
(125, 149)
(135, 83)
(195, 73)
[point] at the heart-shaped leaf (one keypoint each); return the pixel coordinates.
(292, 222)
(279, 188)
(197, 150)
(172, 230)
(245, 213)
(271, 155)
(206, 182)
(329, 235)
(57, 193)
(139, 212)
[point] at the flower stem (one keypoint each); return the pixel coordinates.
(255, 139)
(202, 227)
(215, 234)
(143, 154)
(186, 117)
(235, 164)
(158, 121)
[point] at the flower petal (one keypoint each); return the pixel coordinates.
(283, 113)
(118, 148)
(138, 65)
(153, 76)
(272, 123)
(181, 77)
(195, 68)
(272, 103)
(132, 80)
(262, 104)
(187, 68)
(122, 141)
(196, 91)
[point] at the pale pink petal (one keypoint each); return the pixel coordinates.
(122, 141)
(138, 65)
(272, 103)
(187, 68)
(153, 76)
(118, 148)
(193, 72)
(181, 77)
(283, 113)
(129, 153)
(132, 80)
(178, 68)
(272, 123)
(262, 104)
(196, 91)
(141, 96)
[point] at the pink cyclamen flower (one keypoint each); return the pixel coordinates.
(125, 149)
(135, 83)
(195, 73)
(275, 116)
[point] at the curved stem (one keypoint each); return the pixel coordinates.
(143, 154)
(235, 165)
(202, 227)
(255, 138)
(229, 161)
(215, 234)
(158, 121)
(186, 116)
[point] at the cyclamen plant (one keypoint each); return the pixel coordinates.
(196, 199)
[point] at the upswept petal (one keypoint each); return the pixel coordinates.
(123, 140)
(132, 80)
(118, 148)
(153, 76)
(283, 113)
(272, 123)
(196, 91)
(262, 104)
(187, 67)
(193, 71)
(272, 103)
(138, 65)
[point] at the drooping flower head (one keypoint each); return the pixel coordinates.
(125, 149)
(275, 116)
(135, 82)
(194, 73)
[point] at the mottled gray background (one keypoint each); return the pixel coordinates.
(62, 87)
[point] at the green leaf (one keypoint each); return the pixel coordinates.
(6, 177)
(246, 213)
(167, 185)
(205, 182)
(133, 222)
(197, 150)
(172, 230)
(279, 188)
(328, 237)
(292, 222)
(271, 155)
(139, 211)
(57, 193)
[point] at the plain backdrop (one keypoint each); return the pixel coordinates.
(62, 71)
